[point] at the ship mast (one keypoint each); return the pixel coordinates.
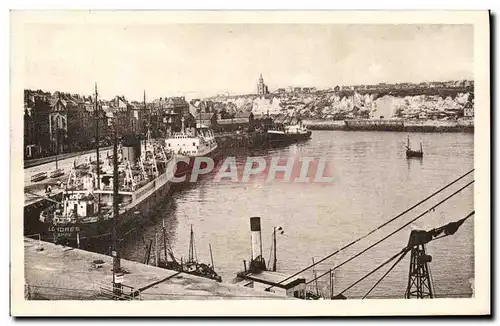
(211, 256)
(115, 243)
(199, 117)
(191, 246)
(274, 245)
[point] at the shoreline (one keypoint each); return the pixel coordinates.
(464, 126)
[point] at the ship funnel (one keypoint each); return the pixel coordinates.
(256, 237)
(131, 148)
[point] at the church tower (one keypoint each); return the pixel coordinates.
(261, 87)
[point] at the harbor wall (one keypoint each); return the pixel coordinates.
(407, 126)
(74, 275)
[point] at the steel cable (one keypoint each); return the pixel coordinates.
(397, 230)
(371, 232)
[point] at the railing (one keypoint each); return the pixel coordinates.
(126, 292)
(36, 236)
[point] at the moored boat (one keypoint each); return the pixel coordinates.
(190, 143)
(192, 266)
(288, 134)
(87, 200)
(413, 153)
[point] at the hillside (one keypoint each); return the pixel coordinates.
(339, 106)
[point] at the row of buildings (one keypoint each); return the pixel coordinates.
(262, 88)
(62, 122)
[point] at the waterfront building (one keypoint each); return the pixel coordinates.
(208, 119)
(468, 110)
(71, 122)
(126, 115)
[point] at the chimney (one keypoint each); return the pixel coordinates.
(256, 237)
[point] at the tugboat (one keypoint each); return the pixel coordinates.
(258, 275)
(412, 153)
(285, 134)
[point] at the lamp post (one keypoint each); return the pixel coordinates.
(280, 229)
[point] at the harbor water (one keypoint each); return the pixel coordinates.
(373, 181)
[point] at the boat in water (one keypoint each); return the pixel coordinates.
(413, 153)
(86, 209)
(285, 134)
(192, 266)
(190, 143)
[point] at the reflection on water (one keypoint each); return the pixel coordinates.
(373, 182)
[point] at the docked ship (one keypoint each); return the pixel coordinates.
(86, 210)
(190, 143)
(285, 134)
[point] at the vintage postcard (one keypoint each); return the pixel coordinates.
(315, 163)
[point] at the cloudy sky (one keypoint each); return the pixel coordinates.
(207, 59)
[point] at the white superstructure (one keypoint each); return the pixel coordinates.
(201, 142)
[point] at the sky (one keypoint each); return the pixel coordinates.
(199, 60)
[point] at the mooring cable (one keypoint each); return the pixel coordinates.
(400, 253)
(371, 232)
(404, 251)
(397, 230)
(386, 273)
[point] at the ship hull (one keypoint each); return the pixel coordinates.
(290, 138)
(132, 217)
(415, 154)
(185, 164)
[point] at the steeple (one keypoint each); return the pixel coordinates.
(261, 87)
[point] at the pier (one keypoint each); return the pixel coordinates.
(55, 272)
(466, 126)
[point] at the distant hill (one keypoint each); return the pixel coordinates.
(352, 104)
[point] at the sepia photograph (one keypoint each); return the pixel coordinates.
(340, 158)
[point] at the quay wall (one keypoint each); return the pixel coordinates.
(55, 272)
(408, 126)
